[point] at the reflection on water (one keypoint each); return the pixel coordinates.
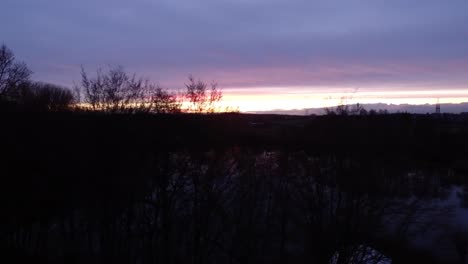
(363, 254)
(449, 239)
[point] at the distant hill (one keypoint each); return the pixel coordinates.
(391, 108)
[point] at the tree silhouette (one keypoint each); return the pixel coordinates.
(116, 91)
(113, 90)
(201, 97)
(164, 102)
(47, 97)
(13, 74)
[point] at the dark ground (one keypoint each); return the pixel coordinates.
(222, 188)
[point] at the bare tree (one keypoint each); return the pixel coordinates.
(12, 74)
(92, 89)
(164, 102)
(201, 97)
(116, 91)
(113, 91)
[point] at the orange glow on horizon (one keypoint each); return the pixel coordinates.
(264, 99)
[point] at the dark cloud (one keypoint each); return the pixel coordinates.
(246, 43)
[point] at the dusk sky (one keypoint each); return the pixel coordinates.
(265, 54)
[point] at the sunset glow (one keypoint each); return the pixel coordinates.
(264, 99)
(319, 52)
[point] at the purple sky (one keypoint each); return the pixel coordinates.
(249, 44)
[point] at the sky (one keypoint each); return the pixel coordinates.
(264, 54)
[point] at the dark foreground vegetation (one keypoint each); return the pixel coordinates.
(124, 180)
(224, 188)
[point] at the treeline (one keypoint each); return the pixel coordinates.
(112, 90)
(344, 109)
